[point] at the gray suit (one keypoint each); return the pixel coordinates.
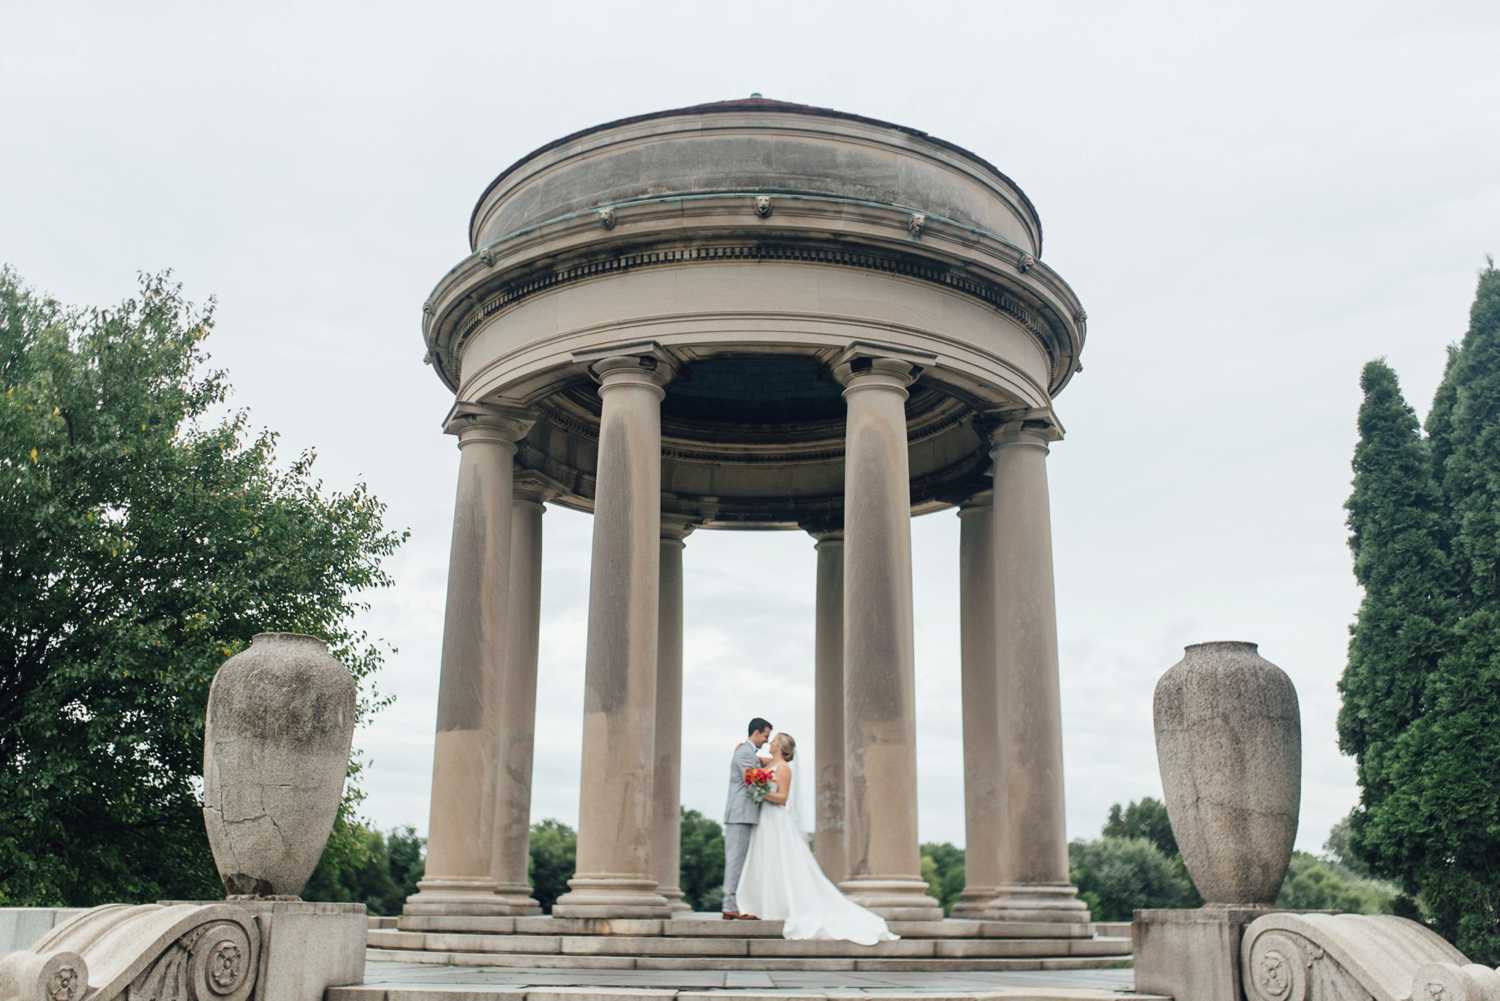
(741, 814)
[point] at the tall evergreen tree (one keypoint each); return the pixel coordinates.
(1440, 417)
(1453, 761)
(1398, 538)
(1421, 690)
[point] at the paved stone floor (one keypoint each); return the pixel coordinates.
(386, 981)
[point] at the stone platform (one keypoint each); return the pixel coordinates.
(393, 981)
(705, 944)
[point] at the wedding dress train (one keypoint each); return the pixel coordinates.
(782, 881)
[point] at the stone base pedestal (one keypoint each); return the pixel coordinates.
(305, 947)
(469, 898)
(1038, 902)
(1191, 953)
(894, 899)
(517, 899)
(974, 903)
(607, 897)
(676, 901)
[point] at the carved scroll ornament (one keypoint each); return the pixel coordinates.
(1356, 957)
(150, 952)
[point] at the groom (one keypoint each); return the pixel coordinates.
(741, 814)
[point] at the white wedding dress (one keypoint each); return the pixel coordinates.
(782, 881)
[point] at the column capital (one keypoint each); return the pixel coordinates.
(487, 422)
(1033, 427)
(534, 487)
(823, 531)
(873, 358)
(857, 369)
(676, 527)
(645, 363)
(980, 502)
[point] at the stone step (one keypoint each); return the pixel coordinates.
(469, 992)
(379, 921)
(713, 927)
(771, 964)
(518, 961)
(724, 947)
(766, 964)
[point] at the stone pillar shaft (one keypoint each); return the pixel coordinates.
(464, 761)
(615, 876)
(1034, 861)
(880, 751)
(517, 708)
(985, 815)
(829, 706)
(667, 788)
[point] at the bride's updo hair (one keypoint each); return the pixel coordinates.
(788, 745)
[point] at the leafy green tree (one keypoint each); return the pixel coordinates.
(1339, 847)
(1316, 884)
(145, 536)
(1115, 876)
(943, 869)
(407, 854)
(554, 851)
(1147, 819)
(363, 876)
(381, 874)
(701, 867)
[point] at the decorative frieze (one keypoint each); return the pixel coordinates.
(968, 284)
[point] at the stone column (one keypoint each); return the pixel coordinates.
(1034, 863)
(880, 748)
(614, 876)
(829, 703)
(517, 704)
(666, 841)
(984, 786)
(464, 762)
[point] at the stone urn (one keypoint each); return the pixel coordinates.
(275, 751)
(1229, 744)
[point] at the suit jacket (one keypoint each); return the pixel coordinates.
(740, 808)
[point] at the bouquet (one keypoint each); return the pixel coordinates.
(759, 781)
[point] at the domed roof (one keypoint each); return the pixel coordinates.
(775, 163)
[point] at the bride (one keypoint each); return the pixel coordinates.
(782, 881)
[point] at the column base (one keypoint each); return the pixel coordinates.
(517, 897)
(974, 903)
(606, 896)
(675, 900)
(1038, 902)
(456, 896)
(893, 898)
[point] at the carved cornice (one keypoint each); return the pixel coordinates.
(760, 250)
(812, 226)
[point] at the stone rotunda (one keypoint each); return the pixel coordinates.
(751, 315)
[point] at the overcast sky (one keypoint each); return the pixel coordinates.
(1251, 200)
